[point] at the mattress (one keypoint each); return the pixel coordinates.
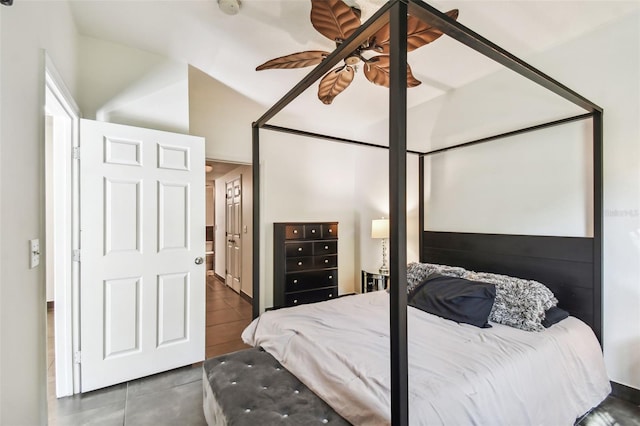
(458, 374)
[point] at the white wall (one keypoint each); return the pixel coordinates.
(25, 29)
(534, 183)
(124, 85)
(307, 180)
(222, 116)
(372, 202)
(605, 67)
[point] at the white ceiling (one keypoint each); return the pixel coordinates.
(228, 48)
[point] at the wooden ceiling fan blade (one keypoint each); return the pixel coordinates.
(377, 72)
(333, 19)
(418, 33)
(411, 80)
(295, 60)
(334, 83)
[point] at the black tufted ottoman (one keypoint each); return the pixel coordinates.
(250, 387)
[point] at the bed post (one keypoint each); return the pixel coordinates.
(398, 214)
(421, 207)
(597, 223)
(255, 159)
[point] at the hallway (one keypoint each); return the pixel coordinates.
(227, 315)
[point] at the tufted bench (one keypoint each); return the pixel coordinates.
(250, 387)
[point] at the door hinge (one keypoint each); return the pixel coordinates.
(76, 153)
(77, 357)
(76, 255)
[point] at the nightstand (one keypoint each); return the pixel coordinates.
(373, 281)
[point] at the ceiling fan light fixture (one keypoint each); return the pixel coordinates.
(230, 7)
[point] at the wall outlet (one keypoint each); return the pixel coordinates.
(34, 253)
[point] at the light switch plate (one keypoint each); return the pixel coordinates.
(34, 253)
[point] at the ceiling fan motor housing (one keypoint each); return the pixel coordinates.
(230, 7)
(352, 60)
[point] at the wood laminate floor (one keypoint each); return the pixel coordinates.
(227, 315)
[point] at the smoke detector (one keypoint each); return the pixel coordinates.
(230, 7)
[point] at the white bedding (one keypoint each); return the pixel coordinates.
(458, 374)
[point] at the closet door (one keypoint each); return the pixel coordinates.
(234, 233)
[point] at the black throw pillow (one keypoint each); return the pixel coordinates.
(456, 299)
(554, 315)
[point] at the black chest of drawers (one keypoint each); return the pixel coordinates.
(305, 256)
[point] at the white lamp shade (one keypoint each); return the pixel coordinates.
(380, 228)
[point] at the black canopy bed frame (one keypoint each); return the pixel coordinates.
(570, 266)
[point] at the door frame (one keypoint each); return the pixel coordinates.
(220, 223)
(66, 291)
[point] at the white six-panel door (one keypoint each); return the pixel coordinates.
(234, 234)
(142, 298)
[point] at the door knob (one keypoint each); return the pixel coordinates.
(199, 260)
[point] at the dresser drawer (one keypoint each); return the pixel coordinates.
(300, 263)
(325, 247)
(330, 230)
(310, 280)
(298, 249)
(294, 232)
(313, 231)
(329, 261)
(293, 299)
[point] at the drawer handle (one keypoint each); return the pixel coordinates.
(313, 231)
(330, 276)
(295, 301)
(331, 231)
(330, 294)
(299, 263)
(326, 247)
(295, 281)
(295, 231)
(299, 248)
(326, 261)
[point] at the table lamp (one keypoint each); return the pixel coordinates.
(380, 229)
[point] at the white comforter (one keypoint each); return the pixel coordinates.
(458, 374)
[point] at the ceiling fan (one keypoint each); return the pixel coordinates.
(337, 21)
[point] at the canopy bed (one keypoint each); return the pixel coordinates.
(569, 266)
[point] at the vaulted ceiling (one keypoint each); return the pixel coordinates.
(229, 47)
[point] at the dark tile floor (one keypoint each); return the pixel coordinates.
(613, 412)
(170, 398)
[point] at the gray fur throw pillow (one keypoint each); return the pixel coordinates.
(519, 303)
(418, 272)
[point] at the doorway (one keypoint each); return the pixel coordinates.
(229, 216)
(61, 233)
